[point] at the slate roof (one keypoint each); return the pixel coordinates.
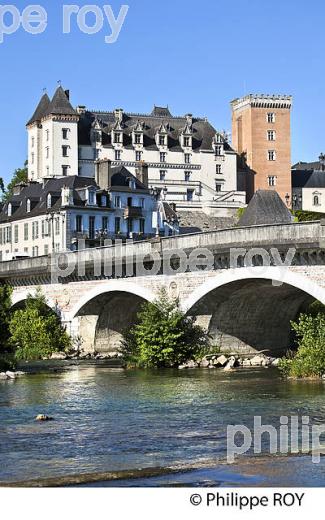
(266, 207)
(120, 177)
(316, 165)
(203, 131)
(37, 193)
(41, 109)
(60, 104)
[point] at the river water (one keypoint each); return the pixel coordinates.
(112, 423)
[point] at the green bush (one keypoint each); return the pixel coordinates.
(309, 361)
(307, 216)
(44, 333)
(163, 336)
(5, 306)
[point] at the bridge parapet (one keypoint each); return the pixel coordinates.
(308, 238)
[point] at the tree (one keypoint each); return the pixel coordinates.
(163, 336)
(309, 361)
(44, 334)
(5, 306)
(20, 175)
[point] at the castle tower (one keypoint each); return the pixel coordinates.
(261, 133)
(53, 138)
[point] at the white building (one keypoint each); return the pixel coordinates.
(308, 186)
(186, 156)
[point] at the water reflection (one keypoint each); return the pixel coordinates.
(111, 420)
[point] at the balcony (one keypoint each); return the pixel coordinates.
(133, 212)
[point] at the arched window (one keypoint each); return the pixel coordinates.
(316, 200)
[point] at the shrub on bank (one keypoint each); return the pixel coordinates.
(309, 360)
(163, 336)
(36, 331)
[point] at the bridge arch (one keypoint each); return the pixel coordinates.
(19, 298)
(251, 309)
(104, 313)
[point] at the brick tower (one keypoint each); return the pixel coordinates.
(261, 134)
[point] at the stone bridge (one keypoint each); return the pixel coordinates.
(246, 306)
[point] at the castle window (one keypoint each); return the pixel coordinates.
(163, 156)
(57, 225)
(270, 117)
(65, 149)
(33, 158)
(218, 150)
(65, 170)
(271, 180)
(117, 225)
(26, 231)
(16, 234)
(218, 169)
(271, 155)
(137, 138)
(161, 140)
(271, 135)
(141, 225)
(49, 201)
(28, 206)
(47, 135)
(47, 152)
(105, 223)
(65, 133)
(162, 175)
(117, 137)
(186, 142)
(9, 209)
(187, 158)
(138, 156)
(33, 142)
(187, 176)
(79, 223)
(47, 171)
(218, 187)
(117, 201)
(117, 155)
(316, 200)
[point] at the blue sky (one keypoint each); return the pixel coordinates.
(193, 56)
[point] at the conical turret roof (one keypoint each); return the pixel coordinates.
(60, 104)
(41, 109)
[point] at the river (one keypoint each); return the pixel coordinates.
(167, 428)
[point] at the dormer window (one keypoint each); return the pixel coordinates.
(9, 209)
(162, 140)
(137, 139)
(117, 138)
(218, 150)
(91, 198)
(187, 142)
(49, 201)
(28, 206)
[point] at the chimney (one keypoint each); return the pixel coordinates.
(141, 173)
(67, 93)
(81, 109)
(118, 114)
(103, 174)
(18, 188)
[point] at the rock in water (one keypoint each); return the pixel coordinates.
(59, 355)
(221, 360)
(42, 417)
